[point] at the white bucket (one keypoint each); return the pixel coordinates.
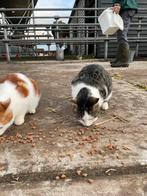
(60, 55)
(110, 22)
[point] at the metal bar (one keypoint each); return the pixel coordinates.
(57, 9)
(87, 43)
(103, 38)
(47, 17)
(67, 40)
(89, 30)
(48, 9)
(34, 23)
(48, 25)
(106, 48)
(5, 37)
(138, 36)
(95, 21)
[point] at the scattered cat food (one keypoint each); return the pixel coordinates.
(63, 176)
(78, 172)
(125, 147)
(84, 174)
(29, 138)
(2, 167)
(33, 145)
(111, 146)
(90, 181)
(57, 177)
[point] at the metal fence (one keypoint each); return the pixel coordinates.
(53, 28)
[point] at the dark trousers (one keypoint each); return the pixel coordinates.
(122, 36)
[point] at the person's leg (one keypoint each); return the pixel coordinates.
(122, 56)
(122, 35)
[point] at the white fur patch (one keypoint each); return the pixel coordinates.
(87, 119)
(93, 91)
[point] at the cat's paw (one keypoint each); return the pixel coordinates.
(105, 106)
(19, 121)
(1, 132)
(33, 111)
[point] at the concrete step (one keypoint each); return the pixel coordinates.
(126, 185)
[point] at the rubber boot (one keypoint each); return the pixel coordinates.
(117, 57)
(122, 59)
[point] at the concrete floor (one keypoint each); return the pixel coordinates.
(52, 154)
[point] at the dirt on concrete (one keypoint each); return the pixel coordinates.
(51, 142)
(126, 185)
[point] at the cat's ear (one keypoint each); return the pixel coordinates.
(4, 104)
(93, 100)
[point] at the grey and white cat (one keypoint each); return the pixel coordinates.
(91, 89)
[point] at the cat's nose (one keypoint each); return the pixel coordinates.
(86, 124)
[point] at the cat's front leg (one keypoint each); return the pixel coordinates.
(19, 120)
(105, 105)
(32, 111)
(1, 132)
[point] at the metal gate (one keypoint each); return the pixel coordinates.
(77, 34)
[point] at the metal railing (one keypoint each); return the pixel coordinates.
(56, 30)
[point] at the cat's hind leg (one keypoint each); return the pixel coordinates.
(33, 106)
(105, 104)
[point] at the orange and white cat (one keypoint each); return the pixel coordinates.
(19, 95)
